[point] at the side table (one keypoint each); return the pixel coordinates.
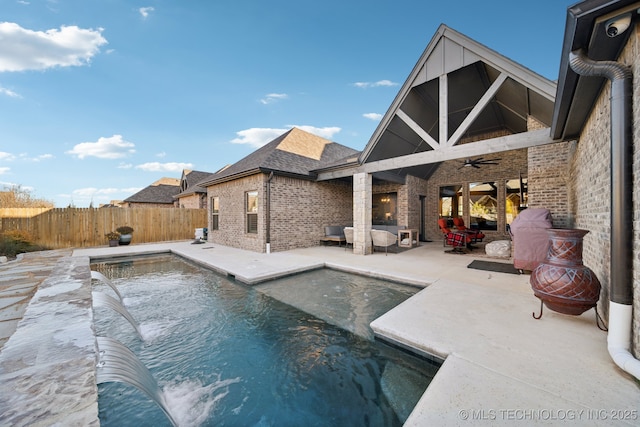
(408, 233)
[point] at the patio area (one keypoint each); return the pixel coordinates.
(500, 364)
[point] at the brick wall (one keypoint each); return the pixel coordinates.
(415, 188)
(301, 209)
(513, 164)
(548, 181)
(194, 201)
(589, 188)
(408, 199)
(299, 212)
(232, 229)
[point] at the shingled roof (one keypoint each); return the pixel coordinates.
(294, 153)
(161, 191)
(189, 184)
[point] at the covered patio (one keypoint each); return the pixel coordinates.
(465, 116)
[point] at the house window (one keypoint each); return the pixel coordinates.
(384, 209)
(483, 205)
(215, 213)
(252, 211)
(450, 202)
(516, 198)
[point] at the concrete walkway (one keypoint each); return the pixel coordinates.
(501, 365)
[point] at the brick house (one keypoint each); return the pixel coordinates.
(493, 103)
(270, 200)
(160, 194)
(192, 195)
(567, 146)
(454, 142)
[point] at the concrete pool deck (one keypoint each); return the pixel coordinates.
(501, 365)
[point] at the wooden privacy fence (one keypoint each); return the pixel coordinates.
(85, 227)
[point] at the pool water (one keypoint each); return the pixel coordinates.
(227, 354)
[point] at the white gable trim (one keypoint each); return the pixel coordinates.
(448, 51)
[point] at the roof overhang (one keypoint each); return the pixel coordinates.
(459, 92)
(487, 146)
(255, 171)
(586, 29)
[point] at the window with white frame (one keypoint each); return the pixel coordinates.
(215, 213)
(251, 207)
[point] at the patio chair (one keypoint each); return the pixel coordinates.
(476, 235)
(382, 238)
(348, 235)
(454, 238)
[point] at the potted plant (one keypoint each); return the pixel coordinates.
(113, 237)
(125, 234)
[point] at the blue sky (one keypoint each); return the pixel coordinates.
(100, 98)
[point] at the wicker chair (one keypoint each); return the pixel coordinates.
(348, 235)
(382, 238)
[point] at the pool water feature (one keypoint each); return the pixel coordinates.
(229, 354)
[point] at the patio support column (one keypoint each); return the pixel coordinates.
(362, 184)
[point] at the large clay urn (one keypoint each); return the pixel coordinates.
(561, 281)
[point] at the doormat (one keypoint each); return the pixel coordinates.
(499, 267)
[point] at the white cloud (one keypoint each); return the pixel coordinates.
(9, 92)
(372, 116)
(4, 170)
(257, 137)
(144, 11)
(105, 148)
(273, 97)
(91, 191)
(164, 167)
(161, 154)
(42, 157)
(123, 165)
(379, 83)
(23, 49)
(326, 132)
(6, 156)
(25, 157)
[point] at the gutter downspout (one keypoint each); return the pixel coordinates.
(268, 213)
(621, 256)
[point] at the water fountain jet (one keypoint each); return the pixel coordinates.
(100, 299)
(101, 277)
(116, 363)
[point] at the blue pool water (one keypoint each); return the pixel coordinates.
(226, 354)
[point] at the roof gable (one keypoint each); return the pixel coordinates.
(295, 152)
(155, 193)
(161, 191)
(189, 183)
(458, 92)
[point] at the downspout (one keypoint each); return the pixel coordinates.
(268, 213)
(621, 255)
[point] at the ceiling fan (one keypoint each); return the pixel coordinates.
(476, 163)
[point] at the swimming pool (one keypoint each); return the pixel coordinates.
(229, 354)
